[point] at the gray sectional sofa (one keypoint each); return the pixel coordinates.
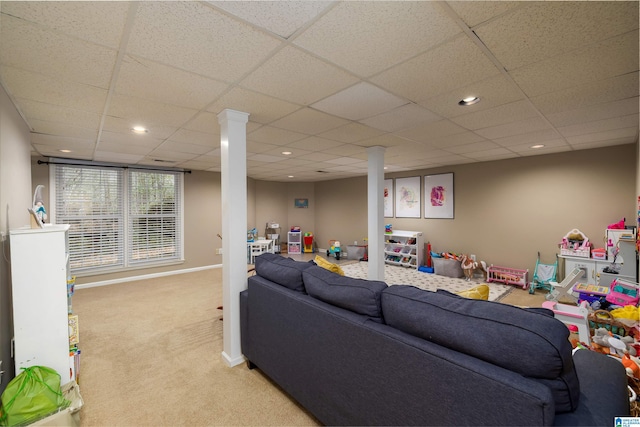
(359, 352)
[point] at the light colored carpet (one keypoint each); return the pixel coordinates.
(151, 356)
(397, 275)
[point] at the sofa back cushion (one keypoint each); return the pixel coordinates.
(358, 295)
(283, 271)
(530, 342)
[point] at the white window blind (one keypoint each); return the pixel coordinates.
(90, 200)
(153, 216)
(119, 217)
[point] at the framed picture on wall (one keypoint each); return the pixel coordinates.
(388, 198)
(438, 196)
(301, 203)
(407, 197)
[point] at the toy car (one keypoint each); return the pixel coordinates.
(334, 249)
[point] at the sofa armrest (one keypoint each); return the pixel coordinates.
(603, 391)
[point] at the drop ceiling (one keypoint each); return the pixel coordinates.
(321, 80)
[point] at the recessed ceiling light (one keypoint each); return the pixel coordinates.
(140, 129)
(290, 176)
(386, 167)
(64, 151)
(537, 146)
(470, 100)
(286, 153)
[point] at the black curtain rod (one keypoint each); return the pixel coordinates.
(42, 162)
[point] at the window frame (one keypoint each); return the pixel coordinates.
(127, 262)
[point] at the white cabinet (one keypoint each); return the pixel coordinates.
(39, 273)
(404, 248)
(591, 267)
(294, 242)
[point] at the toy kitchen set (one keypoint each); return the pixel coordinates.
(610, 271)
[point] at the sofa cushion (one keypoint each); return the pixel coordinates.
(283, 271)
(530, 342)
(358, 295)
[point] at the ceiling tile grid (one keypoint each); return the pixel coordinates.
(323, 80)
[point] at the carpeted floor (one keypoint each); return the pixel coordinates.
(396, 275)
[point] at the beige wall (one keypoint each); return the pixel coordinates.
(15, 198)
(505, 211)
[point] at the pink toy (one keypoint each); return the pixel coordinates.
(617, 225)
(622, 292)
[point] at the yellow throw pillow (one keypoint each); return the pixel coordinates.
(321, 262)
(477, 292)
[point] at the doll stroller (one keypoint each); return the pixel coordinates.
(543, 275)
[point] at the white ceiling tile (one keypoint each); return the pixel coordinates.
(456, 139)
(456, 63)
(604, 143)
(550, 146)
(314, 143)
(204, 122)
(264, 158)
(407, 116)
(278, 77)
(629, 134)
(351, 132)
(61, 141)
(135, 140)
(117, 157)
(409, 27)
(30, 47)
(345, 150)
(148, 113)
(260, 147)
(359, 101)
(493, 92)
(141, 78)
(274, 135)
(97, 22)
(473, 148)
(124, 126)
(519, 127)
(591, 93)
(59, 114)
(475, 12)
(318, 157)
(591, 113)
(185, 136)
(309, 122)
(529, 138)
(79, 152)
(600, 125)
(613, 57)
(124, 148)
(162, 154)
(496, 116)
(546, 29)
(54, 91)
(159, 33)
(428, 131)
(282, 18)
(182, 147)
(56, 128)
(261, 108)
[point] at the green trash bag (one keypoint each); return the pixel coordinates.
(32, 395)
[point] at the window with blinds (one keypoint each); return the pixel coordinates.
(119, 217)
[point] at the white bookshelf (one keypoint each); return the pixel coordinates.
(404, 248)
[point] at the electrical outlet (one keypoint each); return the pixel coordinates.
(219, 251)
(3, 236)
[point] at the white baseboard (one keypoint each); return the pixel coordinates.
(146, 276)
(233, 361)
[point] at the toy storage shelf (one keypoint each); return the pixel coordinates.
(403, 248)
(294, 242)
(40, 275)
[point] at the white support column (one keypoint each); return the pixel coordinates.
(233, 146)
(375, 206)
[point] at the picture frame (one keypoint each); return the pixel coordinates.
(388, 198)
(301, 203)
(439, 198)
(407, 197)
